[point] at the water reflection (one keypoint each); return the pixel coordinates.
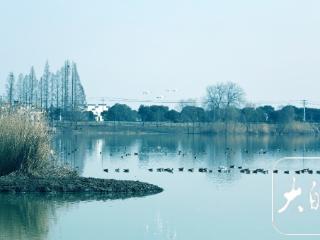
(25, 216)
(30, 216)
(143, 151)
(193, 205)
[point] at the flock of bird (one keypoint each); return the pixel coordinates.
(222, 170)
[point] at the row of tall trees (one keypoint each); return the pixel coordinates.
(59, 91)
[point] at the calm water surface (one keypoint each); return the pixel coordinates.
(193, 205)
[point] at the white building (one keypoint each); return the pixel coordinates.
(97, 109)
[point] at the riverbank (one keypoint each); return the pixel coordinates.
(192, 128)
(110, 188)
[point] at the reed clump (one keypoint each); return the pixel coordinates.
(25, 145)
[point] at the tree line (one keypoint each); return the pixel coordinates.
(193, 114)
(59, 93)
(223, 102)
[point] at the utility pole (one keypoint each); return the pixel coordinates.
(304, 102)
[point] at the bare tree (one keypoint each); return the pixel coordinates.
(234, 95)
(62, 90)
(10, 89)
(65, 84)
(45, 87)
(20, 89)
(215, 96)
(32, 88)
(78, 97)
(224, 96)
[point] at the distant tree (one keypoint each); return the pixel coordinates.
(215, 96)
(286, 114)
(223, 95)
(153, 113)
(10, 88)
(312, 114)
(19, 88)
(192, 114)
(158, 113)
(32, 88)
(226, 96)
(78, 96)
(44, 87)
(234, 95)
(65, 71)
(144, 113)
(62, 90)
(119, 112)
(88, 116)
(172, 116)
(232, 114)
(248, 115)
(267, 112)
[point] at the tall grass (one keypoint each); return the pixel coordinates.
(25, 144)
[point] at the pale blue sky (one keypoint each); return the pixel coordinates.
(122, 48)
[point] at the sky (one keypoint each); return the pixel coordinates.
(124, 47)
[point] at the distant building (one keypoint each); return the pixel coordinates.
(97, 109)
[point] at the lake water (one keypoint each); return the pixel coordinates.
(193, 205)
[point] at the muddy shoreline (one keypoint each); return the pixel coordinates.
(106, 188)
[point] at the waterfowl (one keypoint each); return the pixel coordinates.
(297, 172)
(286, 172)
(318, 172)
(232, 166)
(190, 169)
(275, 171)
(246, 170)
(170, 170)
(223, 169)
(239, 167)
(136, 154)
(150, 170)
(202, 169)
(106, 170)
(159, 169)
(181, 169)
(117, 170)
(210, 171)
(126, 170)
